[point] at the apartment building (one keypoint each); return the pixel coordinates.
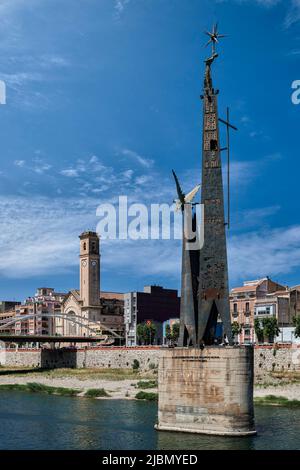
(154, 304)
(258, 299)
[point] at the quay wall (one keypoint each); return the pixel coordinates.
(114, 358)
(266, 358)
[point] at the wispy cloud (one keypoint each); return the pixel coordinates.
(119, 7)
(293, 14)
(273, 252)
(46, 233)
(44, 230)
(40, 166)
(146, 162)
(37, 164)
(19, 163)
(251, 218)
(93, 182)
(294, 52)
(243, 173)
(265, 3)
(293, 8)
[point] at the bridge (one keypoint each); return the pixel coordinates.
(6, 338)
(79, 320)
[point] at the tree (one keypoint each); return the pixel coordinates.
(172, 334)
(258, 330)
(296, 322)
(175, 332)
(146, 332)
(236, 328)
(140, 332)
(168, 333)
(270, 328)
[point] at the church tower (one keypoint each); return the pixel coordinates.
(89, 269)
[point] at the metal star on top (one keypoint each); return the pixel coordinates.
(214, 37)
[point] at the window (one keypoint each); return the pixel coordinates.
(213, 145)
(84, 246)
(235, 308)
(247, 307)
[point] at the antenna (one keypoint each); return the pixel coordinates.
(228, 127)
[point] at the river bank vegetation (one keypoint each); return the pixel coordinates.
(130, 384)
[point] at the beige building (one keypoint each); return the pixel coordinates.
(90, 312)
(6, 317)
(294, 302)
(35, 316)
(258, 299)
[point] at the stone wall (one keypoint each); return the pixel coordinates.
(280, 359)
(119, 358)
(265, 360)
(115, 358)
(21, 358)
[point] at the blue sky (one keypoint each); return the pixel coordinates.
(103, 100)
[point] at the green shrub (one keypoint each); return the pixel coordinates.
(146, 396)
(275, 400)
(40, 388)
(96, 392)
(34, 387)
(135, 365)
(147, 384)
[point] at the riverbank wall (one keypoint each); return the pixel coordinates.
(142, 358)
(266, 358)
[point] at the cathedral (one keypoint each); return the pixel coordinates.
(90, 311)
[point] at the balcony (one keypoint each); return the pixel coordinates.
(247, 313)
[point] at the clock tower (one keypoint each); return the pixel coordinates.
(89, 269)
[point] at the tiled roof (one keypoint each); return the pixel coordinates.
(244, 289)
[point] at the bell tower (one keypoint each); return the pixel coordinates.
(89, 269)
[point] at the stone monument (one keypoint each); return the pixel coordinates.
(206, 387)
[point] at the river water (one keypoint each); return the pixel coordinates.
(34, 421)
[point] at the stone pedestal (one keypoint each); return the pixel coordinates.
(206, 391)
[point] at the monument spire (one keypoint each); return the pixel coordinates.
(214, 40)
(202, 386)
(213, 293)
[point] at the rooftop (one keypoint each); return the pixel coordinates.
(88, 233)
(111, 295)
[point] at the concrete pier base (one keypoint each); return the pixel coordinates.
(206, 391)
